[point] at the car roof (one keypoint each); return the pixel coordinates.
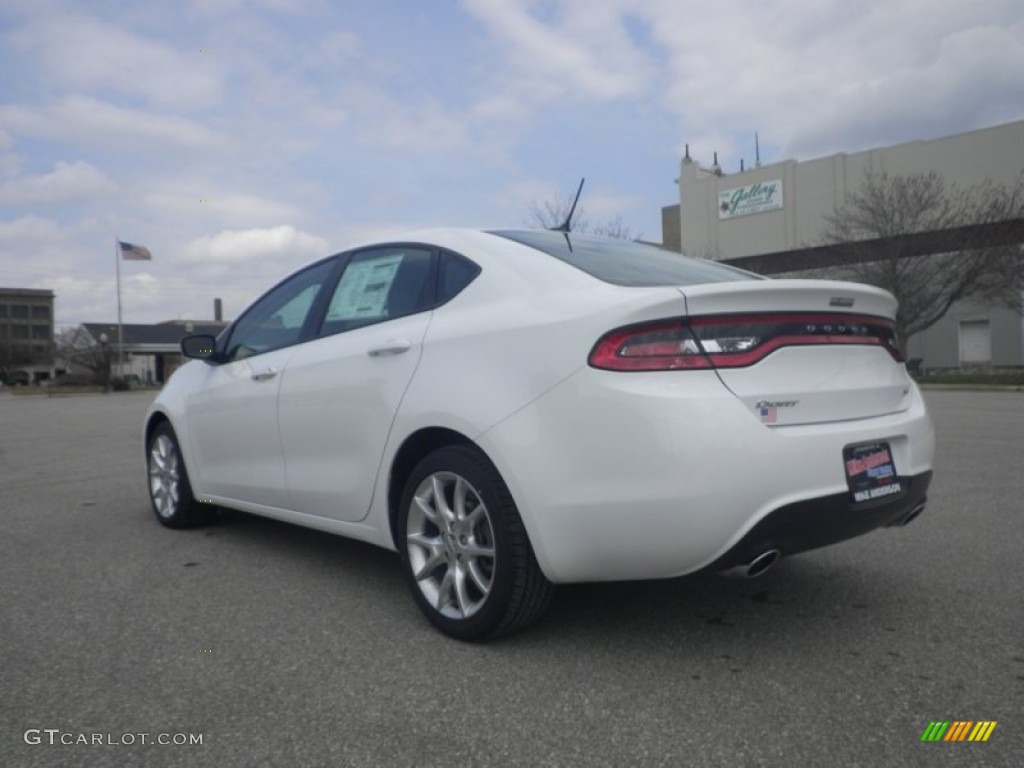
(614, 261)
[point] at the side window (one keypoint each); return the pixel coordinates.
(380, 284)
(456, 273)
(276, 320)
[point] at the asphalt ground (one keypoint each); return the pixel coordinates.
(280, 646)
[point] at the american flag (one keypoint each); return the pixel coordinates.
(769, 415)
(131, 252)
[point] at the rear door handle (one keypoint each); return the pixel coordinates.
(269, 373)
(390, 347)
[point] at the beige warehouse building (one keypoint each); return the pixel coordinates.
(781, 208)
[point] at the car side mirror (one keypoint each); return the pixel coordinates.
(200, 346)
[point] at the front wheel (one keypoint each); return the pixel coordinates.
(465, 552)
(169, 488)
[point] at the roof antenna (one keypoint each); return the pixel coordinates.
(567, 224)
(757, 150)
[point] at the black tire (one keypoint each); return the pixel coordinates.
(170, 491)
(502, 592)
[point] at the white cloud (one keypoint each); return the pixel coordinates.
(253, 246)
(587, 53)
(10, 163)
(208, 203)
(811, 78)
(225, 7)
(830, 76)
(368, 232)
(84, 53)
(139, 291)
(82, 299)
(234, 265)
(605, 203)
(79, 120)
(28, 229)
(336, 49)
(971, 79)
(68, 181)
(419, 125)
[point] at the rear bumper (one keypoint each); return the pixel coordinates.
(653, 476)
(814, 523)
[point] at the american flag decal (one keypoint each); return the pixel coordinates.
(769, 414)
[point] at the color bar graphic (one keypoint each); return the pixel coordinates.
(958, 730)
(982, 730)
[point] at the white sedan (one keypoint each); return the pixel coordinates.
(513, 409)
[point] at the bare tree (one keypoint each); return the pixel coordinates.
(12, 357)
(75, 346)
(885, 208)
(551, 213)
(617, 228)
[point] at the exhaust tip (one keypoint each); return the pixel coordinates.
(913, 515)
(762, 563)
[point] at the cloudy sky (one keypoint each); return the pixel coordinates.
(238, 139)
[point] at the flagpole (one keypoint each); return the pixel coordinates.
(120, 339)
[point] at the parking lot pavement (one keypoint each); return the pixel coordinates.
(279, 646)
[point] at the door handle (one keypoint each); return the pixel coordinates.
(390, 347)
(269, 373)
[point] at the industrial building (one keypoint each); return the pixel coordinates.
(772, 218)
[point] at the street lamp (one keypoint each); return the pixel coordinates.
(106, 362)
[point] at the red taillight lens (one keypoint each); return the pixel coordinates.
(733, 341)
(664, 346)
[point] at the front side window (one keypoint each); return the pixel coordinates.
(277, 319)
(380, 284)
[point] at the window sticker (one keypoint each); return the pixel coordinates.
(363, 289)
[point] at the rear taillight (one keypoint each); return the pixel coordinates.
(733, 341)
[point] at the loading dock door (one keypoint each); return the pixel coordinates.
(975, 342)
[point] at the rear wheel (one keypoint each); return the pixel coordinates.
(464, 549)
(169, 488)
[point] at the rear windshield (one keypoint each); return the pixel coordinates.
(624, 262)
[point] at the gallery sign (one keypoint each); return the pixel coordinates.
(756, 198)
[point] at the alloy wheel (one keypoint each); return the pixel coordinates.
(450, 544)
(164, 476)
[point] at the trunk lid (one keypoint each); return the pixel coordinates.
(802, 351)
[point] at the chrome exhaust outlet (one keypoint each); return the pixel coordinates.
(755, 567)
(761, 563)
(913, 514)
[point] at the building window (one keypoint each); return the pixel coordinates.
(40, 313)
(3, 310)
(19, 311)
(19, 331)
(40, 331)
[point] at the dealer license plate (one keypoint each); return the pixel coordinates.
(870, 472)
